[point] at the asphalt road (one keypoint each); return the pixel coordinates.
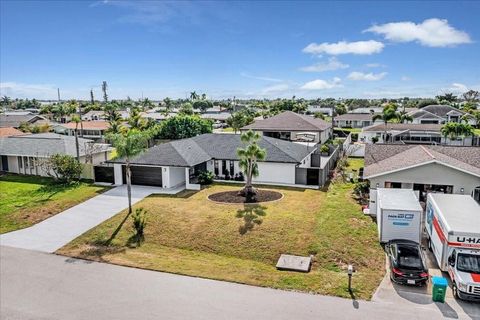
(36, 285)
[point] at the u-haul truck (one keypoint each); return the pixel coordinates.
(452, 223)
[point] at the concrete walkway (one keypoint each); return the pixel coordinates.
(37, 285)
(55, 232)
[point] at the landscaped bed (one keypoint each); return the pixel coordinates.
(189, 234)
(235, 196)
(27, 200)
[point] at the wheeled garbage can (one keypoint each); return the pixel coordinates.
(439, 289)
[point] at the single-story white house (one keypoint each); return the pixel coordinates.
(439, 114)
(292, 126)
(423, 168)
(179, 162)
(23, 154)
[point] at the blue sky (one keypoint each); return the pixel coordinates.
(243, 49)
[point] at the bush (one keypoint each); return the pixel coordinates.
(205, 177)
(139, 222)
(374, 139)
(63, 168)
(324, 149)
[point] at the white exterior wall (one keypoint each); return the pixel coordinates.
(276, 173)
(176, 176)
(117, 171)
(430, 174)
(12, 164)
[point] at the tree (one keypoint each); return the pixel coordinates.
(5, 101)
(249, 157)
(184, 126)
(104, 90)
(92, 98)
(447, 98)
(471, 96)
(128, 145)
(389, 114)
(64, 168)
(454, 130)
(475, 115)
(168, 103)
(186, 109)
(340, 109)
(202, 105)
(77, 120)
(319, 115)
(404, 117)
(193, 95)
(136, 120)
(238, 120)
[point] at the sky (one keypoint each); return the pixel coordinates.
(244, 49)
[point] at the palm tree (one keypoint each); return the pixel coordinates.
(249, 156)
(77, 119)
(404, 117)
(128, 145)
(389, 114)
(193, 95)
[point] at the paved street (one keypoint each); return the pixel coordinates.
(36, 285)
(55, 232)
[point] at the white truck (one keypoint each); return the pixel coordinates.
(452, 223)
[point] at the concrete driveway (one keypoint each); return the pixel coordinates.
(37, 285)
(55, 232)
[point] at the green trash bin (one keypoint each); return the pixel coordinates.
(439, 289)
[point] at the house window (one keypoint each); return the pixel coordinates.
(20, 163)
(215, 167)
(232, 170)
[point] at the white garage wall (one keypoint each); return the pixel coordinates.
(177, 176)
(276, 173)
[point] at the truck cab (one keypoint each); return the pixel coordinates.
(464, 271)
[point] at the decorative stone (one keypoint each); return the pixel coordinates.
(294, 263)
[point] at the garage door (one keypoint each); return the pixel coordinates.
(146, 176)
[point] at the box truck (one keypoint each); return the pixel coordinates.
(452, 223)
(399, 215)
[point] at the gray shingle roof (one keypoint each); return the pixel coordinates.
(7, 120)
(289, 121)
(404, 127)
(355, 116)
(196, 150)
(383, 158)
(441, 110)
(45, 144)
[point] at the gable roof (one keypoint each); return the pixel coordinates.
(355, 117)
(7, 120)
(192, 151)
(385, 158)
(441, 110)
(88, 125)
(289, 121)
(46, 144)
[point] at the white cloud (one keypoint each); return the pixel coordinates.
(431, 32)
(375, 65)
(246, 75)
(275, 88)
(458, 88)
(360, 76)
(320, 84)
(23, 90)
(332, 64)
(405, 78)
(343, 47)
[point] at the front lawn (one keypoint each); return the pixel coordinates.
(189, 234)
(26, 200)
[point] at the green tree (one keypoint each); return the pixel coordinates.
(389, 114)
(63, 168)
(202, 105)
(471, 96)
(186, 109)
(319, 115)
(183, 126)
(128, 145)
(76, 119)
(136, 120)
(194, 95)
(249, 157)
(104, 90)
(238, 120)
(454, 130)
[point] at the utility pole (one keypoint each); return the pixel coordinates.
(58, 94)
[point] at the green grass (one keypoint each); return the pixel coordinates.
(228, 129)
(26, 200)
(188, 234)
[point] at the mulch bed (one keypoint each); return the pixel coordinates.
(234, 197)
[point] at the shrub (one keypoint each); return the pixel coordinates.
(63, 168)
(374, 139)
(139, 218)
(205, 177)
(324, 149)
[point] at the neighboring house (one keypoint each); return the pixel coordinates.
(422, 168)
(438, 114)
(158, 116)
(410, 133)
(354, 120)
(99, 115)
(7, 120)
(91, 129)
(10, 131)
(24, 154)
(220, 117)
(179, 162)
(323, 110)
(369, 110)
(292, 126)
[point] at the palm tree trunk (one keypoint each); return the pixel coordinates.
(76, 143)
(129, 185)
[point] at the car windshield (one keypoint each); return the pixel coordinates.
(468, 263)
(409, 257)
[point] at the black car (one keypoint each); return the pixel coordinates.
(407, 262)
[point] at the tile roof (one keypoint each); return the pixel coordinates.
(289, 121)
(196, 150)
(384, 158)
(10, 131)
(88, 125)
(405, 127)
(45, 144)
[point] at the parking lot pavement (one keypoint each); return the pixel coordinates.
(411, 296)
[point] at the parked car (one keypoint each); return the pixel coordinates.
(407, 262)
